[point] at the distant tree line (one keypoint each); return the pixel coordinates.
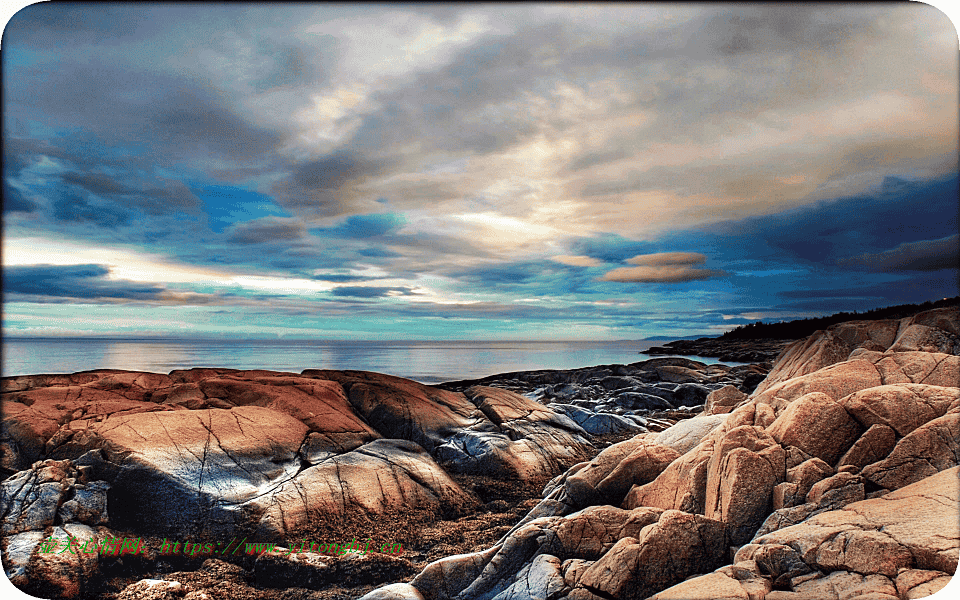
(800, 328)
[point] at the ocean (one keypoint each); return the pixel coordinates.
(423, 361)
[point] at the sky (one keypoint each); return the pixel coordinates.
(473, 171)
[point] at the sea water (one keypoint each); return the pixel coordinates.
(424, 361)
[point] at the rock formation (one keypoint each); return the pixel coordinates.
(837, 477)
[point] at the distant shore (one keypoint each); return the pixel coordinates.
(763, 350)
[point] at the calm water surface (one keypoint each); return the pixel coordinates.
(424, 361)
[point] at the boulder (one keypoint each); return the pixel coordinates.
(723, 400)
(817, 425)
(836, 381)
(928, 449)
(874, 445)
(588, 534)
(676, 546)
(686, 434)
(913, 527)
(580, 488)
(745, 466)
(903, 407)
(58, 574)
(714, 586)
(378, 477)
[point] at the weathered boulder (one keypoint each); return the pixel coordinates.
(928, 449)
(874, 445)
(686, 434)
(57, 573)
(713, 586)
(817, 425)
(676, 546)
(580, 488)
(588, 534)
(920, 583)
(745, 466)
(51, 492)
(903, 407)
(375, 478)
(913, 527)
(403, 409)
(723, 400)
(828, 494)
(836, 381)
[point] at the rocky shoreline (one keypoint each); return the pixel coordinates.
(763, 351)
(819, 478)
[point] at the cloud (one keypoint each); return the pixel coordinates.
(664, 267)
(266, 230)
(97, 183)
(925, 255)
(356, 291)
(14, 201)
(363, 226)
(663, 259)
(47, 283)
(577, 261)
(73, 208)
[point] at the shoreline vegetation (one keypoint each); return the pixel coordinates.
(445, 470)
(762, 342)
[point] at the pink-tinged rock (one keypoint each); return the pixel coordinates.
(591, 532)
(917, 526)
(380, 476)
(836, 381)
(611, 474)
(817, 425)
(875, 444)
(825, 348)
(681, 486)
(321, 405)
(745, 466)
(63, 575)
(191, 471)
(927, 450)
(920, 583)
(917, 367)
(403, 409)
(665, 553)
(713, 586)
(723, 400)
(904, 407)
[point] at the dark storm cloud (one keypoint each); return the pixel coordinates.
(926, 255)
(74, 208)
(266, 230)
(97, 183)
(828, 232)
(14, 201)
(74, 281)
(178, 117)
